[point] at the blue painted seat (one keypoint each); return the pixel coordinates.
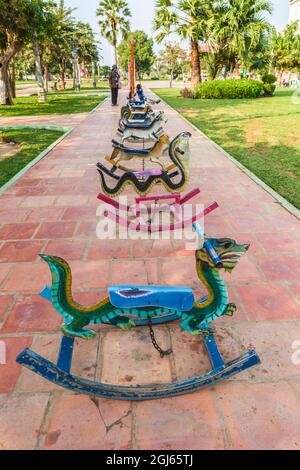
(131, 151)
(140, 125)
(178, 298)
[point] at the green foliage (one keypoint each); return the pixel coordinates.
(255, 132)
(269, 81)
(269, 89)
(33, 141)
(187, 93)
(29, 106)
(229, 89)
(268, 78)
(114, 19)
(286, 48)
(144, 54)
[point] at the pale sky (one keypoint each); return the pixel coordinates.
(142, 18)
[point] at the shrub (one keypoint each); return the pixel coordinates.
(229, 89)
(269, 84)
(269, 89)
(268, 78)
(187, 93)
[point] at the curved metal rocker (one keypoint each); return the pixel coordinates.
(132, 111)
(153, 154)
(143, 182)
(138, 132)
(126, 303)
(142, 124)
(174, 209)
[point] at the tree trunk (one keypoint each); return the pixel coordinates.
(5, 95)
(171, 78)
(46, 77)
(116, 54)
(196, 65)
(13, 79)
(42, 96)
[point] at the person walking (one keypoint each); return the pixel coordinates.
(114, 83)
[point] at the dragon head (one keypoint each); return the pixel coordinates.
(227, 249)
(182, 147)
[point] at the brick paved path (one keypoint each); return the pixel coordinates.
(53, 209)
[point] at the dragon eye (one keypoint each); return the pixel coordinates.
(227, 245)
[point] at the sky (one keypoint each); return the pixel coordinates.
(142, 18)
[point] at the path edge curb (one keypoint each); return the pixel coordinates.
(67, 131)
(280, 199)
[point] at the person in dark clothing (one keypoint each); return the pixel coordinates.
(114, 83)
(140, 92)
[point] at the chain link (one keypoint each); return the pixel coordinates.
(157, 347)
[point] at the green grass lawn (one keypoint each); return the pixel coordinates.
(84, 90)
(33, 142)
(29, 106)
(263, 134)
(26, 82)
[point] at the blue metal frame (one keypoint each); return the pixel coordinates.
(60, 374)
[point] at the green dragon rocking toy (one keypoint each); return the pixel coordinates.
(128, 306)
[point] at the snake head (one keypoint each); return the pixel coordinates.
(182, 144)
(228, 250)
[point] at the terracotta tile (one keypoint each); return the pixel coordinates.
(38, 201)
(280, 267)
(91, 274)
(190, 356)
(86, 230)
(5, 303)
(17, 231)
(73, 200)
(29, 277)
(56, 230)
(134, 272)
(130, 359)
(31, 313)
(21, 251)
(109, 419)
(282, 242)
(10, 370)
(268, 302)
(273, 342)
(109, 249)
(67, 249)
(4, 270)
(83, 364)
(21, 420)
(18, 215)
(189, 422)
(153, 249)
(261, 416)
(80, 213)
(45, 214)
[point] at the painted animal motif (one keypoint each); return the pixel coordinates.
(144, 133)
(125, 303)
(179, 154)
(129, 111)
(119, 155)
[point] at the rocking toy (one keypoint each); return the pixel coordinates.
(146, 131)
(127, 306)
(174, 209)
(143, 182)
(152, 154)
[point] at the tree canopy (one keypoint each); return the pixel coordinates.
(144, 54)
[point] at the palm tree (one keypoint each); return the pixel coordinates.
(114, 19)
(240, 25)
(188, 19)
(171, 57)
